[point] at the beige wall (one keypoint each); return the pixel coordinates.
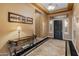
(70, 24)
(37, 24)
(76, 26)
(44, 26)
(8, 29)
(41, 25)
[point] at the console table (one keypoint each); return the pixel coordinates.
(17, 45)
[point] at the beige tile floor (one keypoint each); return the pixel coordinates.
(51, 47)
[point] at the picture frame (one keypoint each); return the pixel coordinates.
(16, 18)
(29, 20)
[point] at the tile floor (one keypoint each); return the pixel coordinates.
(52, 47)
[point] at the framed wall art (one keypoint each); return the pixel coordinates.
(29, 20)
(16, 18)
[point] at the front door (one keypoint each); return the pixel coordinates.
(58, 29)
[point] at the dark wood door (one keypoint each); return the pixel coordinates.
(58, 29)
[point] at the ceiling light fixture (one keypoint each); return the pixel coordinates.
(51, 7)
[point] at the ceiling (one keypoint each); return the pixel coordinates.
(57, 6)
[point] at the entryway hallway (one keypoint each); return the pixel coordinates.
(39, 29)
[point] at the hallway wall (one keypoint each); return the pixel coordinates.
(76, 26)
(8, 29)
(41, 25)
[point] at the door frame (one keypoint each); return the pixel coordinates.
(62, 27)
